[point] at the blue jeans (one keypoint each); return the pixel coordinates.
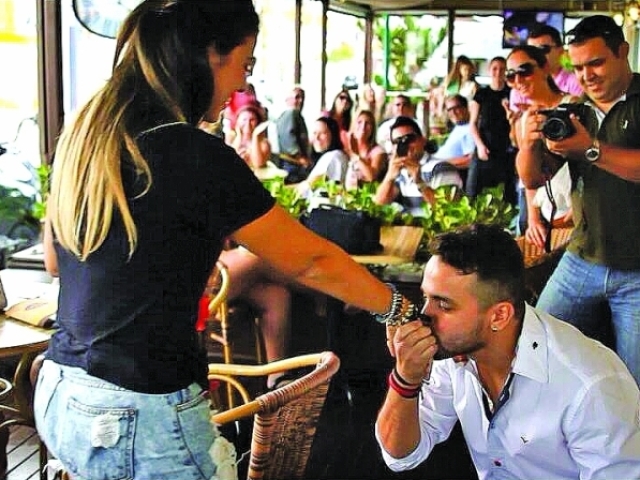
(99, 430)
(576, 291)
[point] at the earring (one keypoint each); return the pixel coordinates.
(494, 328)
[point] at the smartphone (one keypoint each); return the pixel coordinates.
(402, 149)
(3, 297)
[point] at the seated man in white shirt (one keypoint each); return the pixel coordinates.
(401, 106)
(412, 175)
(535, 397)
(459, 145)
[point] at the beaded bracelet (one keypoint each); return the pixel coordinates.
(394, 307)
(400, 311)
(404, 392)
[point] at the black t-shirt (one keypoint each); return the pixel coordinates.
(130, 321)
(493, 124)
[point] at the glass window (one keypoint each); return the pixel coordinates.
(345, 54)
(273, 75)
(86, 61)
(19, 82)
(310, 57)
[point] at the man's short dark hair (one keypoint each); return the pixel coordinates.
(493, 254)
(597, 26)
(405, 122)
(546, 30)
(461, 99)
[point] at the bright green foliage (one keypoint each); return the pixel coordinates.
(450, 210)
(287, 197)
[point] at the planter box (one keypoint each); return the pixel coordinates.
(401, 241)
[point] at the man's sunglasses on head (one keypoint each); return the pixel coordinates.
(524, 70)
(408, 138)
(546, 49)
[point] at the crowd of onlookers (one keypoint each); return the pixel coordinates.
(373, 135)
(370, 135)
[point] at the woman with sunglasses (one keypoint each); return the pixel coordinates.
(141, 202)
(341, 111)
(528, 73)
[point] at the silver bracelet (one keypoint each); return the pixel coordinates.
(394, 308)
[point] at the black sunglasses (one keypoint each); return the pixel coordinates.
(524, 70)
(408, 138)
(546, 49)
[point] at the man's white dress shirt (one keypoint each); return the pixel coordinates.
(573, 411)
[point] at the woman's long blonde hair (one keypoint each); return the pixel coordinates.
(161, 71)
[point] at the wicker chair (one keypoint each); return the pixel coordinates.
(286, 418)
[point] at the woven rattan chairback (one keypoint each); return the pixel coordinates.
(286, 418)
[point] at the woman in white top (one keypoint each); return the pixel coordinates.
(328, 155)
(369, 158)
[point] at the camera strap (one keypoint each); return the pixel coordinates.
(554, 208)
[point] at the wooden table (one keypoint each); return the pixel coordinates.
(18, 339)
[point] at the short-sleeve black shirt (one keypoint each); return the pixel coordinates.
(130, 321)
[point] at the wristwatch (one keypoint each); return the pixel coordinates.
(592, 154)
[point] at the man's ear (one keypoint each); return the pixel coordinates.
(502, 313)
(623, 50)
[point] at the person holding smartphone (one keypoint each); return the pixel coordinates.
(413, 174)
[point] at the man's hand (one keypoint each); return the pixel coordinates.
(414, 346)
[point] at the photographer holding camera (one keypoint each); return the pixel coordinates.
(602, 261)
(536, 399)
(528, 74)
(413, 174)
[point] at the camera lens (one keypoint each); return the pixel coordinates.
(556, 129)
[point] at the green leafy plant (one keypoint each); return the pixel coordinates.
(452, 210)
(287, 197)
(39, 210)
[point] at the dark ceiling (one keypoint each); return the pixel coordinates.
(473, 5)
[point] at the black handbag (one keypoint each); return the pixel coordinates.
(354, 231)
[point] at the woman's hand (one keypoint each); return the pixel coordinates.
(482, 152)
(528, 129)
(536, 231)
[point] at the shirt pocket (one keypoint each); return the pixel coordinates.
(97, 442)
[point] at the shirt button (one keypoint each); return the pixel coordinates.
(497, 463)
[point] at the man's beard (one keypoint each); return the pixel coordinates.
(444, 353)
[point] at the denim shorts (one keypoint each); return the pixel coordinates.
(98, 430)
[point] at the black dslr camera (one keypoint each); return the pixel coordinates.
(558, 125)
